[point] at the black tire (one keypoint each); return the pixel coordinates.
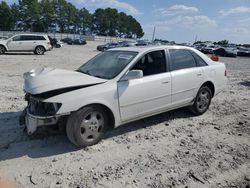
(2, 49)
(202, 101)
(87, 126)
(40, 50)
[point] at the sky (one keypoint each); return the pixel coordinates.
(183, 20)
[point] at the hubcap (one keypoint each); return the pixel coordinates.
(92, 126)
(39, 50)
(1, 50)
(203, 100)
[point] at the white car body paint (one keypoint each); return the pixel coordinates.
(133, 99)
(25, 45)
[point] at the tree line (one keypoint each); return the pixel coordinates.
(62, 16)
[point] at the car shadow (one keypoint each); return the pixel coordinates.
(15, 143)
(245, 83)
(165, 117)
(19, 53)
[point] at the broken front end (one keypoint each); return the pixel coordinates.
(38, 113)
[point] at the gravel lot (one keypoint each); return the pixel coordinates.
(173, 149)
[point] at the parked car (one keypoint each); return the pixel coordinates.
(126, 44)
(118, 86)
(225, 52)
(77, 42)
(142, 43)
(38, 44)
(208, 49)
(243, 52)
(66, 40)
(107, 46)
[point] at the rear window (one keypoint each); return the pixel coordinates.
(200, 62)
(39, 38)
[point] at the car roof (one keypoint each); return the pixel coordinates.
(30, 34)
(145, 49)
(142, 49)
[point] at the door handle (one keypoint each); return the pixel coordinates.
(199, 74)
(165, 82)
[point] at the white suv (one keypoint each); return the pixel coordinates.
(26, 43)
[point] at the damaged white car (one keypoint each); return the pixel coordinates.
(119, 86)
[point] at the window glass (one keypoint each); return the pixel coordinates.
(27, 37)
(108, 64)
(39, 38)
(16, 38)
(152, 63)
(181, 59)
(199, 61)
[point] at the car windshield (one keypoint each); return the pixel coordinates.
(107, 64)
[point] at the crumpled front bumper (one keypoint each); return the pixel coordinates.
(32, 122)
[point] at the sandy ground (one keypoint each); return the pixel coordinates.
(173, 149)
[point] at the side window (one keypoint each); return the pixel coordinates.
(27, 37)
(39, 38)
(152, 63)
(181, 59)
(16, 38)
(199, 61)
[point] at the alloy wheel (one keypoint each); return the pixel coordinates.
(92, 126)
(203, 100)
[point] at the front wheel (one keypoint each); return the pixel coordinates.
(39, 50)
(87, 126)
(2, 50)
(202, 101)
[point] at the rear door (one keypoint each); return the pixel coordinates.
(187, 76)
(29, 41)
(147, 95)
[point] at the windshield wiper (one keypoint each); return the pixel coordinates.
(84, 72)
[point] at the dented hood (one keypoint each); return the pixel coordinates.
(42, 80)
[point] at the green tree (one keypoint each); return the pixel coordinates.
(6, 21)
(110, 22)
(30, 14)
(70, 17)
(84, 20)
(47, 14)
(60, 7)
(222, 42)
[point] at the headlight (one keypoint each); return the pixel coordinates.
(39, 108)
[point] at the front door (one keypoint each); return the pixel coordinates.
(15, 44)
(147, 95)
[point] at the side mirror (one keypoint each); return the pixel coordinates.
(132, 74)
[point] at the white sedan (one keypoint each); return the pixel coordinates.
(120, 86)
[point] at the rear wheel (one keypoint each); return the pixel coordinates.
(39, 50)
(2, 50)
(202, 101)
(87, 126)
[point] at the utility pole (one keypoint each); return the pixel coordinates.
(153, 35)
(195, 40)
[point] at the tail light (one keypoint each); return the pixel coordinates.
(215, 58)
(225, 74)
